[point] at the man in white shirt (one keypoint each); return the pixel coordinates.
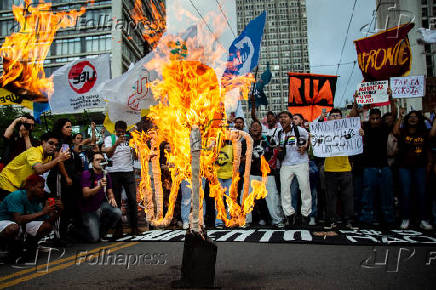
(117, 148)
(293, 144)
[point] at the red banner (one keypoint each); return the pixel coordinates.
(310, 93)
(385, 54)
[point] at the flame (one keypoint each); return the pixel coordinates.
(190, 95)
(153, 29)
(24, 51)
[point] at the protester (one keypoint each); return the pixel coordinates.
(34, 160)
(83, 146)
(23, 208)
(338, 182)
(64, 181)
(239, 123)
(18, 138)
(293, 145)
(224, 172)
(314, 177)
(98, 206)
(121, 171)
(413, 141)
(272, 126)
(261, 147)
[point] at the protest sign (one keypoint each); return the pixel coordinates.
(76, 85)
(309, 94)
(336, 137)
(372, 93)
(408, 87)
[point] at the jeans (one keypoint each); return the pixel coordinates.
(126, 180)
(272, 200)
(339, 184)
(314, 181)
(185, 206)
(415, 177)
(224, 183)
(287, 173)
(377, 182)
(99, 221)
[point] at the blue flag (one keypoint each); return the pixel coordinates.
(245, 49)
(38, 109)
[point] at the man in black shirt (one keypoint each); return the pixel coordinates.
(377, 175)
(261, 147)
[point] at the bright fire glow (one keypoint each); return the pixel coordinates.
(152, 29)
(24, 52)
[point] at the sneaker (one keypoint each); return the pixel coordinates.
(262, 223)
(291, 220)
(312, 221)
(405, 224)
(350, 226)
(280, 225)
(330, 226)
(304, 220)
(425, 225)
(185, 226)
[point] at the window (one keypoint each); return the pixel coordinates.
(98, 43)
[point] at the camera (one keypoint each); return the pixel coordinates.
(84, 148)
(26, 125)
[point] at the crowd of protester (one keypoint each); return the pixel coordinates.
(73, 185)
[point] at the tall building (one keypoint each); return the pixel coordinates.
(284, 45)
(391, 13)
(428, 20)
(106, 27)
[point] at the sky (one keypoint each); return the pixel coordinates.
(327, 30)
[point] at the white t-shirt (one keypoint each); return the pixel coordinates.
(293, 157)
(122, 160)
(271, 132)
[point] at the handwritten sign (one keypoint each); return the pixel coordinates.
(336, 137)
(408, 87)
(372, 92)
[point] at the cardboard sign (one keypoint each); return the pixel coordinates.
(372, 93)
(408, 87)
(336, 138)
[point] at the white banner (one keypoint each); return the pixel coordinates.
(76, 85)
(408, 87)
(372, 92)
(336, 137)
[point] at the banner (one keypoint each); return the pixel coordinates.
(310, 93)
(408, 87)
(429, 101)
(336, 137)
(385, 54)
(372, 93)
(9, 98)
(76, 85)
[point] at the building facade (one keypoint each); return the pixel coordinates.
(106, 27)
(284, 45)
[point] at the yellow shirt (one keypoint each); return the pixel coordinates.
(15, 173)
(337, 164)
(225, 162)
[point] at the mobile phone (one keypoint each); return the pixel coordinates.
(51, 201)
(65, 147)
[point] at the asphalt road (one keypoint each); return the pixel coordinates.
(239, 265)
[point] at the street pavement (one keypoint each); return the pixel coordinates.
(239, 265)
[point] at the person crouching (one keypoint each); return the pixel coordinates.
(98, 205)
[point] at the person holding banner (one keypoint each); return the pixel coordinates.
(413, 141)
(337, 171)
(293, 144)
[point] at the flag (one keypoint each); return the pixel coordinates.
(245, 49)
(9, 98)
(385, 54)
(310, 93)
(76, 85)
(130, 93)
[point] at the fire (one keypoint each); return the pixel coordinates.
(24, 52)
(152, 30)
